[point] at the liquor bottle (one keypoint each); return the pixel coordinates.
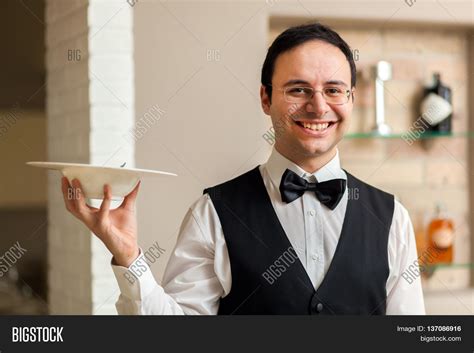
(436, 108)
(440, 237)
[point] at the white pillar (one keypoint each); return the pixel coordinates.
(90, 105)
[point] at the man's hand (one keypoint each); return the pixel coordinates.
(116, 228)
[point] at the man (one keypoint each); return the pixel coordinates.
(296, 235)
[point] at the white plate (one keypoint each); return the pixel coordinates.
(93, 177)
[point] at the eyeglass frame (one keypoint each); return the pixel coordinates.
(348, 94)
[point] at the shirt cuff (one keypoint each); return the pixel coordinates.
(136, 281)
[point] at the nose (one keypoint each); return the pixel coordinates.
(317, 105)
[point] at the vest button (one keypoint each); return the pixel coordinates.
(316, 306)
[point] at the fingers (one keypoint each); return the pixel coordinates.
(128, 202)
(67, 193)
(105, 206)
(74, 199)
(79, 201)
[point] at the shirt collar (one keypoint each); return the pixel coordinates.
(277, 164)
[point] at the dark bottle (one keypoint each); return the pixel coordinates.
(436, 107)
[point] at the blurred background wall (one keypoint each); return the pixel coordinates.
(83, 73)
(23, 191)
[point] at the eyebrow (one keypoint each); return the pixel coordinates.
(299, 82)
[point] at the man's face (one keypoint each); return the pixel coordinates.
(319, 65)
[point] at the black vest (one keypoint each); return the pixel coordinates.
(268, 277)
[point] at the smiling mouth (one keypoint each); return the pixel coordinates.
(315, 127)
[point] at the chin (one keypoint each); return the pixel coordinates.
(318, 147)
(316, 152)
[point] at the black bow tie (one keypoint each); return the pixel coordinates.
(329, 193)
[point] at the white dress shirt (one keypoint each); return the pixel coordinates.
(198, 272)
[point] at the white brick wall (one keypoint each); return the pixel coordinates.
(90, 105)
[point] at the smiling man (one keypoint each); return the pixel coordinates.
(296, 235)
(308, 81)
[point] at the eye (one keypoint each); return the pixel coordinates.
(299, 91)
(333, 91)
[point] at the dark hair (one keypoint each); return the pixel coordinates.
(295, 36)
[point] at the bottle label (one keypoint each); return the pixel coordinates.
(443, 238)
(435, 109)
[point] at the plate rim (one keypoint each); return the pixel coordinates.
(60, 166)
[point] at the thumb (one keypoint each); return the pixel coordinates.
(129, 200)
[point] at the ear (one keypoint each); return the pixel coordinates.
(265, 100)
(353, 94)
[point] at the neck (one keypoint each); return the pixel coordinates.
(309, 164)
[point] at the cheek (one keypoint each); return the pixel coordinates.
(298, 111)
(344, 111)
(282, 111)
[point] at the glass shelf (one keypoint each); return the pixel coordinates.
(437, 266)
(423, 136)
(428, 270)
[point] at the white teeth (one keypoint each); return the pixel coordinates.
(316, 127)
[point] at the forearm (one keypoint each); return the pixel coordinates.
(140, 294)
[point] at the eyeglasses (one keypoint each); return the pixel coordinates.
(303, 95)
